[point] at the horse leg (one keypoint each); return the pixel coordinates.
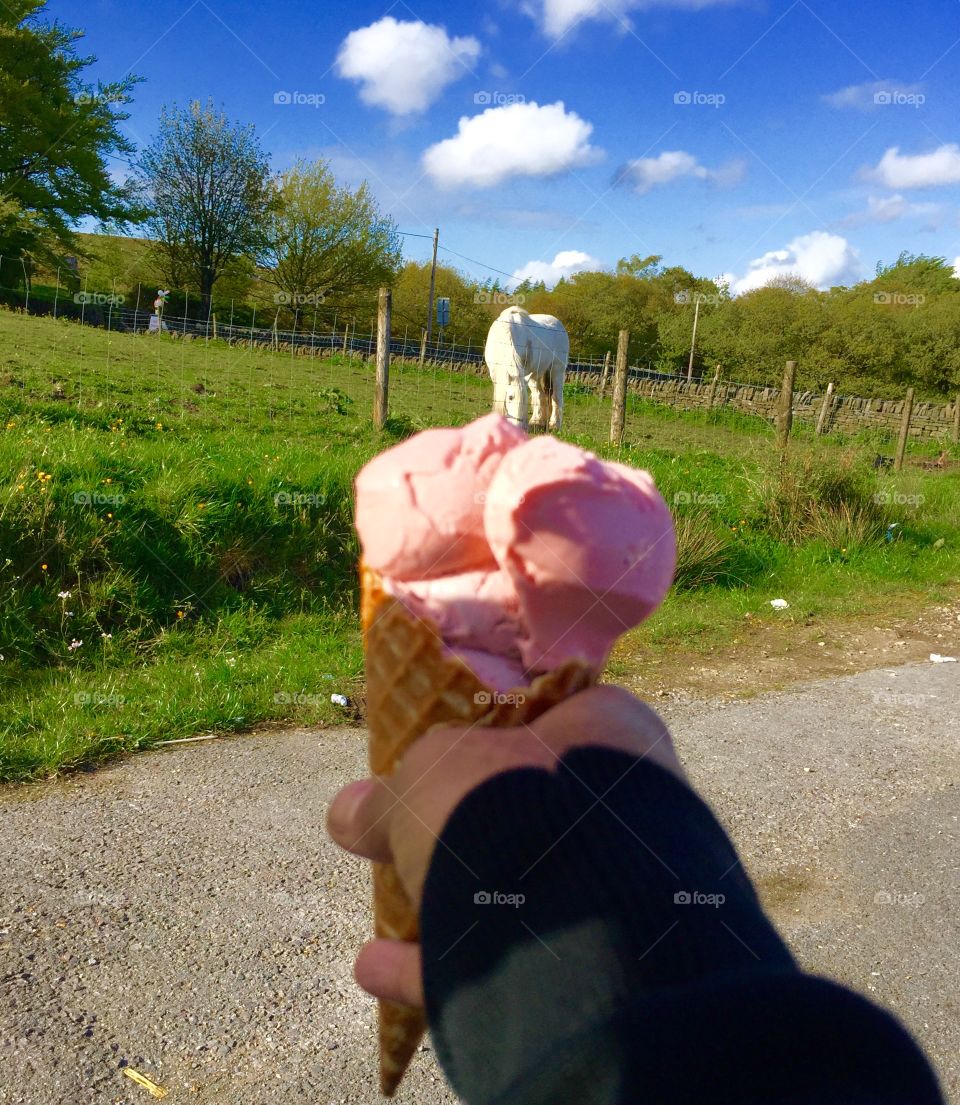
(536, 402)
(556, 397)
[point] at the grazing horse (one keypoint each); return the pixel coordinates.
(527, 358)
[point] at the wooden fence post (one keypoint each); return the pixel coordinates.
(380, 402)
(606, 373)
(618, 415)
(346, 337)
(423, 347)
(785, 412)
(713, 389)
(904, 430)
(956, 420)
(825, 410)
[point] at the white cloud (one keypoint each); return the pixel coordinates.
(516, 140)
(956, 267)
(870, 95)
(820, 258)
(557, 17)
(645, 173)
(922, 170)
(889, 209)
(404, 67)
(565, 264)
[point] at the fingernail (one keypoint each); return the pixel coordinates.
(343, 809)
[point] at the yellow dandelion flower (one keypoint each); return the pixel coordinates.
(43, 567)
(179, 613)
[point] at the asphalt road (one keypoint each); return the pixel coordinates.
(181, 913)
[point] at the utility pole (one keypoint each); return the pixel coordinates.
(433, 280)
(693, 339)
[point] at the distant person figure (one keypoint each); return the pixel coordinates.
(157, 325)
(589, 936)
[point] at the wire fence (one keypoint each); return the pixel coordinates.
(431, 382)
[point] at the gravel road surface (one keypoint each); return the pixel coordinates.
(182, 914)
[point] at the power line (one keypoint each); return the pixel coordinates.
(474, 261)
(462, 256)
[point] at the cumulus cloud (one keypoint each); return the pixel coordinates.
(566, 263)
(871, 95)
(404, 67)
(923, 170)
(557, 17)
(956, 267)
(646, 173)
(820, 258)
(516, 140)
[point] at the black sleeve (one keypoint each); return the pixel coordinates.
(589, 936)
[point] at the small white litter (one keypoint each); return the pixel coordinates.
(780, 604)
(339, 700)
(938, 659)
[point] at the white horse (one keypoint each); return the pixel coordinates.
(527, 359)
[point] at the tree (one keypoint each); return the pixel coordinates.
(472, 306)
(327, 243)
(208, 187)
(56, 134)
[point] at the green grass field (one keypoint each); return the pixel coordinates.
(177, 556)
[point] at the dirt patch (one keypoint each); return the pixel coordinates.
(768, 655)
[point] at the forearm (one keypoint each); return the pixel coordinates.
(593, 979)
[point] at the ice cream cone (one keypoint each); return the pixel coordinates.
(412, 685)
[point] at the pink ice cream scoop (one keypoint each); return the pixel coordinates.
(420, 504)
(588, 544)
(524, 553)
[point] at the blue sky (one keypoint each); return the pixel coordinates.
(739, 138)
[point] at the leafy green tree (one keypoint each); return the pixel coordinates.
(917, 273)
(56, 135)
(472, 305)
(327, 244)
(208, 186)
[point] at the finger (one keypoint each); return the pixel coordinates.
(614, 717)
(391, 970)
(357, 820)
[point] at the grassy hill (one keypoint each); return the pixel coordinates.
(177, 556)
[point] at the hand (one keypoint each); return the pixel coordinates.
(399, 819)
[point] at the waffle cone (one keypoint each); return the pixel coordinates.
(412, 685)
